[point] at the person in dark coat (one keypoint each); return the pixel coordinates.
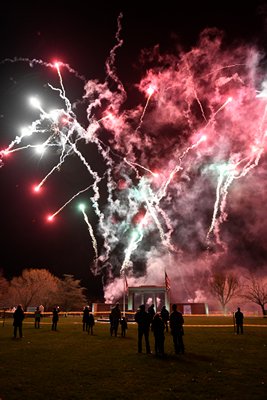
(151, 311)
(165, 315)
(239, 317)
(55, 318)
(86, 313)
(18, 317)
(177, 331)
(143, 320)
(91, 322)
(158, 328)
(114, 319)
(124, 326)
(37, 318)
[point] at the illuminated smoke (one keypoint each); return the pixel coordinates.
(173, 167)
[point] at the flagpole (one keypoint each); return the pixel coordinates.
(123, 307)
(125, 287)
(167, 287)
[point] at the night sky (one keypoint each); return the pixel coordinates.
(157, 48)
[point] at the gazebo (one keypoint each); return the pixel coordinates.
(158, 295)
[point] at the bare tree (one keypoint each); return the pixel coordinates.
(224, 287)
(71, 294)
(4, 285)
(256, 292)
(34, 287)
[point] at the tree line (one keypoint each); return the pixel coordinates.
(39, 287)
(226, 286)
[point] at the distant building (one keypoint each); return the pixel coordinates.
(193, 308)
(150, 294)
(157, 295)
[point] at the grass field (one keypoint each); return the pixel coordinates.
(70, 364)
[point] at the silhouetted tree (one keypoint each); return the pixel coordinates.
(4, 286)
(34, 287)
(224, 287)
(71, 294)
(256, 292)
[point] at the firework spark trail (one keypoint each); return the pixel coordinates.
(223, 214)
(136, 238)
(106, 233)
(32, 62)
(61, 90)
(152, 208)
(169, 227)
(133, 164)
(221, 188)
(90, 230)
(215, 71)
(110, 67)
(94, 174)
(150, 91)
(147, 194)
(221, 108)
(4, 153)
(194, 90)
(33, 129)
(25, 133)
(163, 190)
(55, 168)
(222, 193)
(51, 216)
(152, 211)
(62, 94)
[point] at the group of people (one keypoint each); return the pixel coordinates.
(19, 315)
(88, 320)
(116, 319)
(148, 320)
(158, 324)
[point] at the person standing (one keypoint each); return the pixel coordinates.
(18, 317)
(239, 317)
(91, 322)
(124, 326)
(114, 319)
(55, 318)
(177, 331)
(37, 318)
(165, 315)
(151, 312)
(143, 320)
(158, 328)
(86, 313)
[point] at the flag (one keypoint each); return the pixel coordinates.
(167, 282)
(125, 284)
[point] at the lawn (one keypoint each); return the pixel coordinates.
(70, 364)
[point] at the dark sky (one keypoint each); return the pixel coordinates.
(82, 34)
